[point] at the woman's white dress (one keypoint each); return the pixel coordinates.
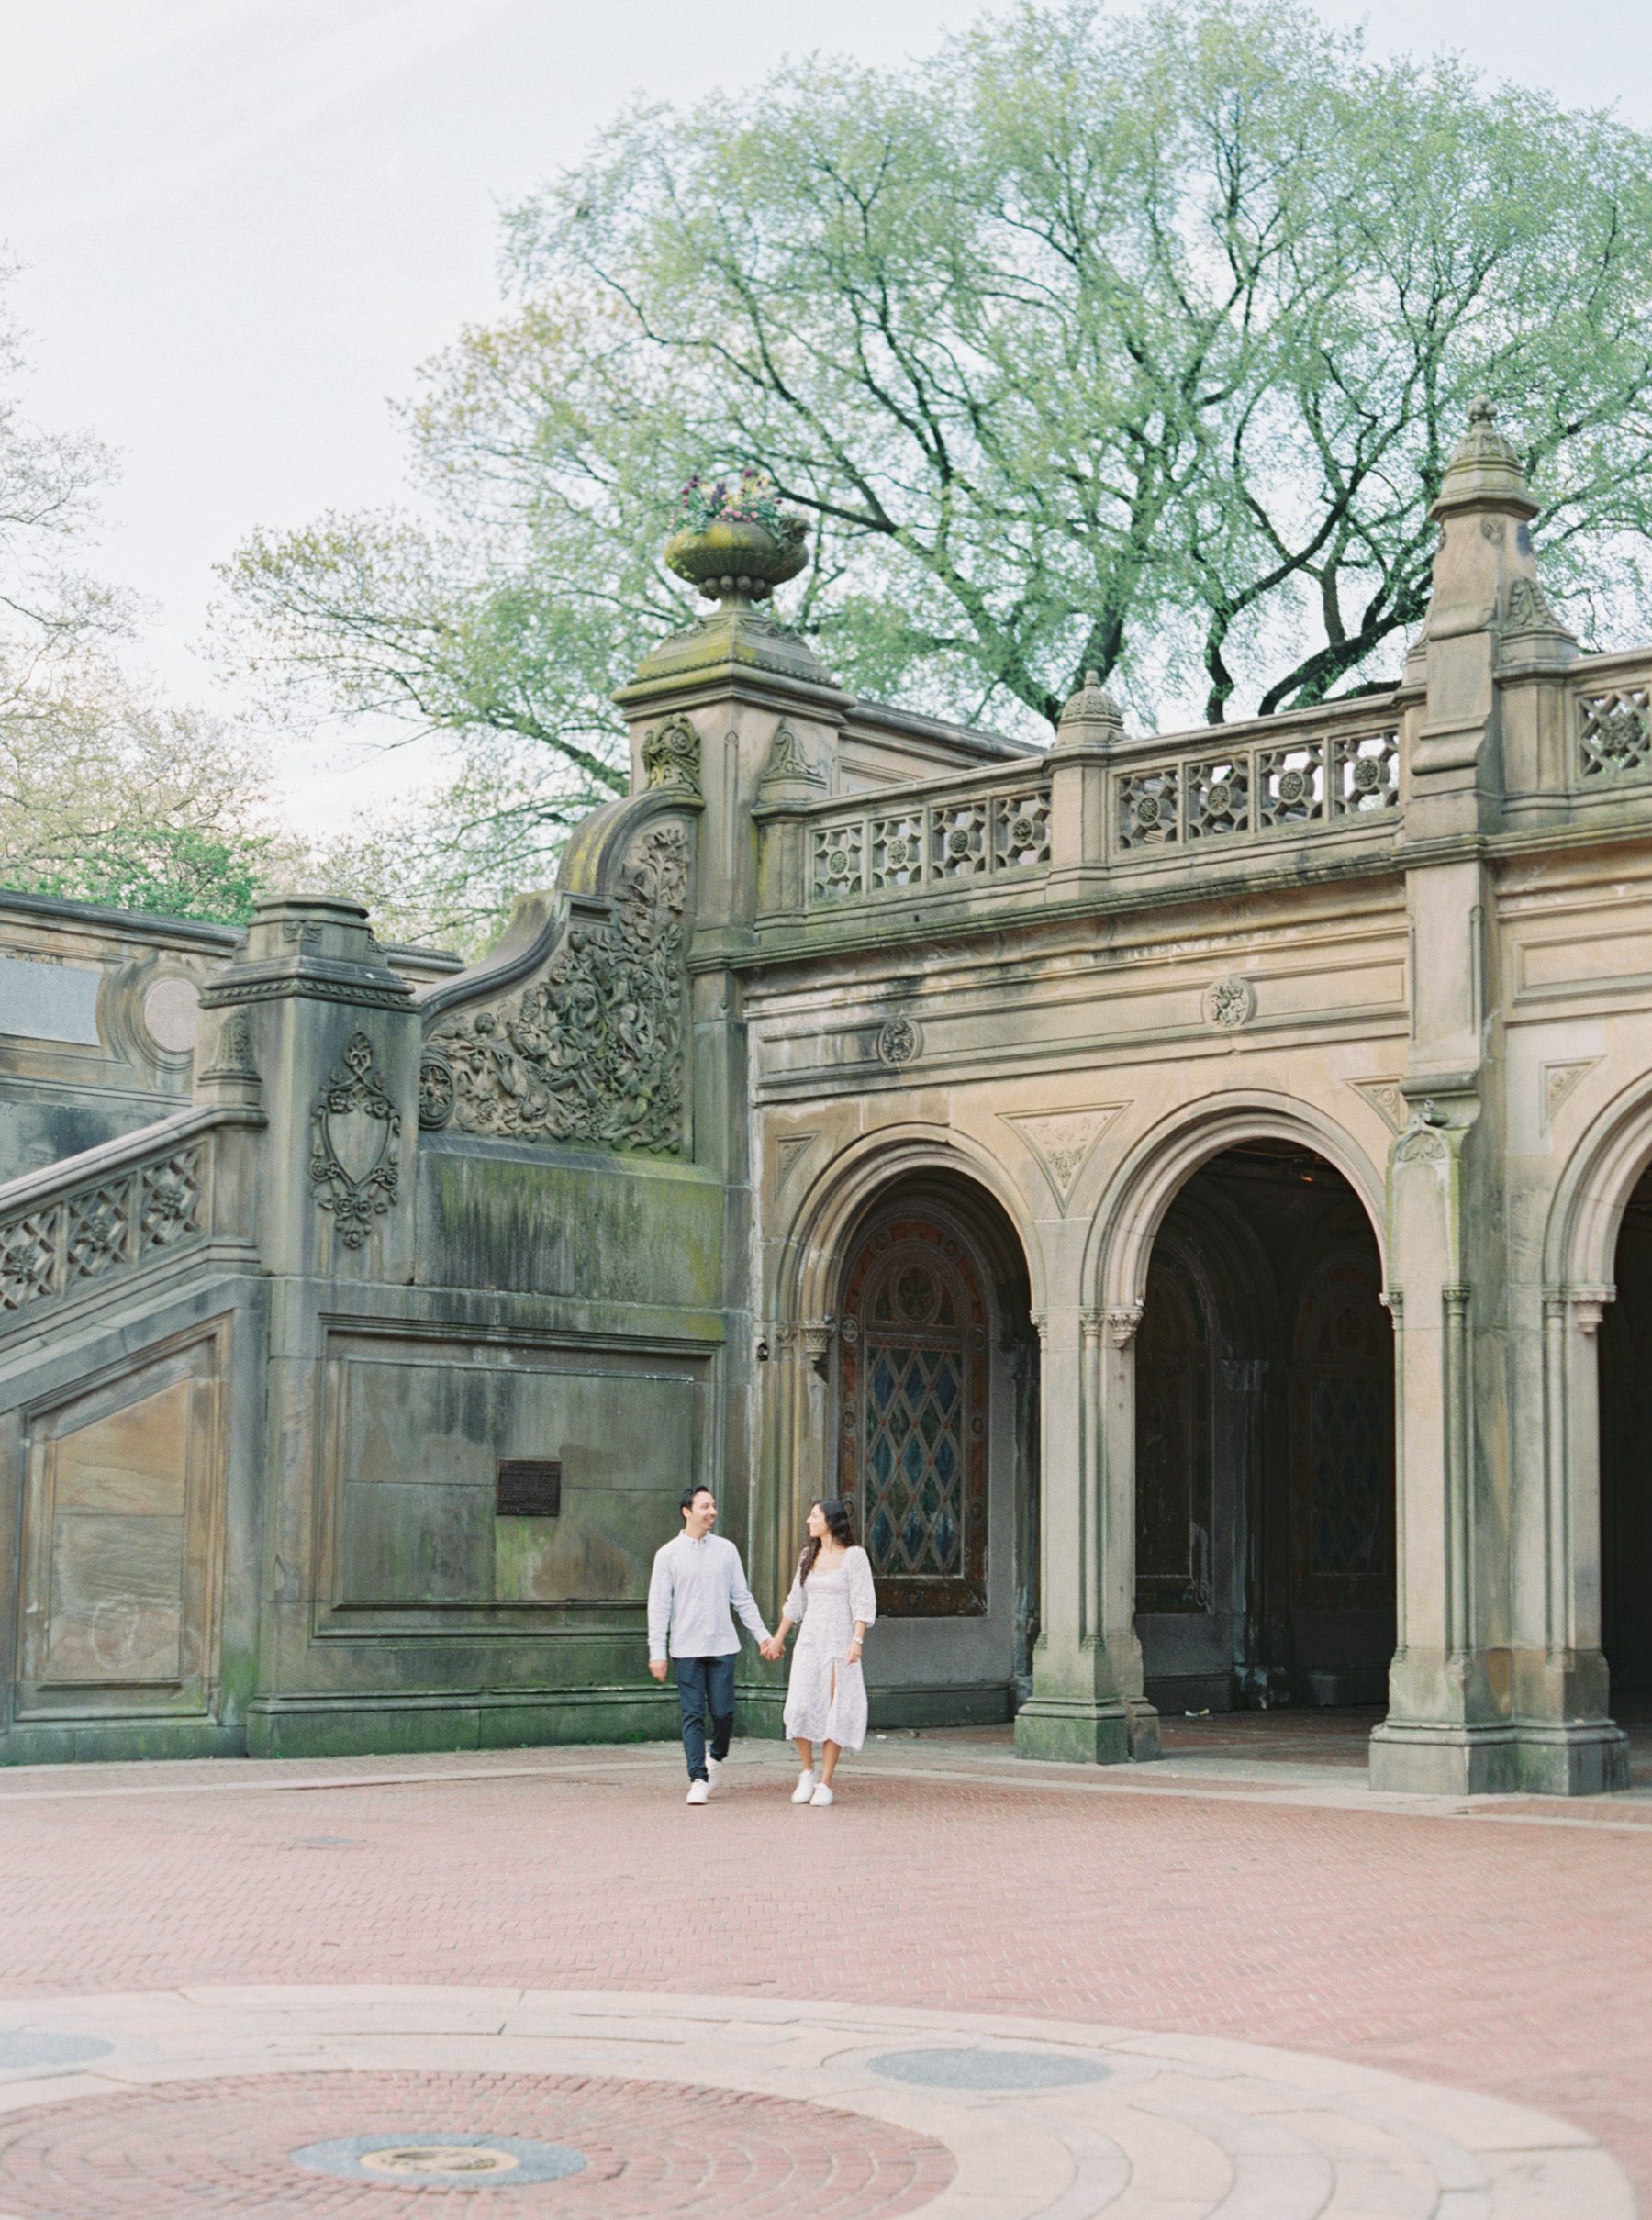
(826, 1696)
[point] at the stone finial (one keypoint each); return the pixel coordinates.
(1090, 714)
(1484, 470)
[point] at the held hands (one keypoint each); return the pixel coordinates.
(774, 1649)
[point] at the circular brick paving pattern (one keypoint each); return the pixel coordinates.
(214, 2150)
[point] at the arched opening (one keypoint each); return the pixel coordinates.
(1265, 1444)
(1625, 1343)
(936, 1422)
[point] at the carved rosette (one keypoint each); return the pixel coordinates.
(591, 1054)
(1231, 1002)
(438, 1095)
(899, 1042)
(355, 1168)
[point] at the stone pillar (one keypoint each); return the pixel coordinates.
(1448, 1729)
(314, 1011)
(1090, 730)
(1568, 1742)
(737, 711)
(1076, 1713)
(1451, 1727)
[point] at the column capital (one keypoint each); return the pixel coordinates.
(1121, 1324)
(1587, 1304)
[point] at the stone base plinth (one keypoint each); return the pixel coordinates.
(1061, 1732)
(1422, 1758)
(1589, 1760)
(331, 1727)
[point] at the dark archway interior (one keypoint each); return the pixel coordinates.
(1626, 1459)
(1265, 1443)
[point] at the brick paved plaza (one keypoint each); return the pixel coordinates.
(210, 1967)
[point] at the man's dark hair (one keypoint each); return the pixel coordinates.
(685, 1501)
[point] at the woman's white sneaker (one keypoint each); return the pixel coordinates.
(804, 1791)
(822, 1795)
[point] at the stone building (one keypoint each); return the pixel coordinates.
(1190, 1192)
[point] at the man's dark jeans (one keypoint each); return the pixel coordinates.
(705, 1684)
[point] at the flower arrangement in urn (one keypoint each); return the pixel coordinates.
(733, 541)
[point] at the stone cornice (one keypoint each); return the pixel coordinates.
(344, 987)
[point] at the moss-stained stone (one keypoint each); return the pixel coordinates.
(554, 1223)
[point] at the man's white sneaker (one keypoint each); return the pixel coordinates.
(714, 1766)
(700, 1791)
(822, 1795)
(804, 1791)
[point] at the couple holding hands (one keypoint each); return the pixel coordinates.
(699, 1583)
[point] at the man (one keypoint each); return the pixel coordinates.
(695, 1579)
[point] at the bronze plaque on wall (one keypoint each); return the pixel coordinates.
(529, 1487)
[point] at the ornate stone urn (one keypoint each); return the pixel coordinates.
(739, 562)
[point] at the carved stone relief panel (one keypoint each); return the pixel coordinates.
(123, 1519)
(589, 1055)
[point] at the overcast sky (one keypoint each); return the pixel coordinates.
(244, 223)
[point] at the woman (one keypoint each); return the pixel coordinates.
(833, 1602)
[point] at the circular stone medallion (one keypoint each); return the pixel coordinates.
(987, 2069)
(168, 1014)
(442, 2161)
(573, 2144)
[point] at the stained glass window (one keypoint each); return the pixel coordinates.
(914, 1424)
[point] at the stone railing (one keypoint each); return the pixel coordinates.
(952, 832)
(1116, 806)
(110, 1212)
(1613, 727)
(1298, 779)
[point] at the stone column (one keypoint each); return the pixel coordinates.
(1569, 1745)
(1450, 1727)
(1076, 1712)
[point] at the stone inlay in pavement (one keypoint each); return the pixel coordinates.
(37, 2050)
(712, 2106)
(441, 2161)
(986, 2069)
(584, 2147)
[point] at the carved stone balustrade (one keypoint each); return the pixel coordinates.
(110, 1214)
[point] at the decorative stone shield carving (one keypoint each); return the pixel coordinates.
(591, 1054)
(355, 1167)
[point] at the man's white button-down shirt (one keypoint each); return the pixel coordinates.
(690, 1594)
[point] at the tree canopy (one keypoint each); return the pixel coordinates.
(1137, 344)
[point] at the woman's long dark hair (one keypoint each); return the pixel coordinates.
(838, 1525)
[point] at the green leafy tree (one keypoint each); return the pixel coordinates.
(1134, 344)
